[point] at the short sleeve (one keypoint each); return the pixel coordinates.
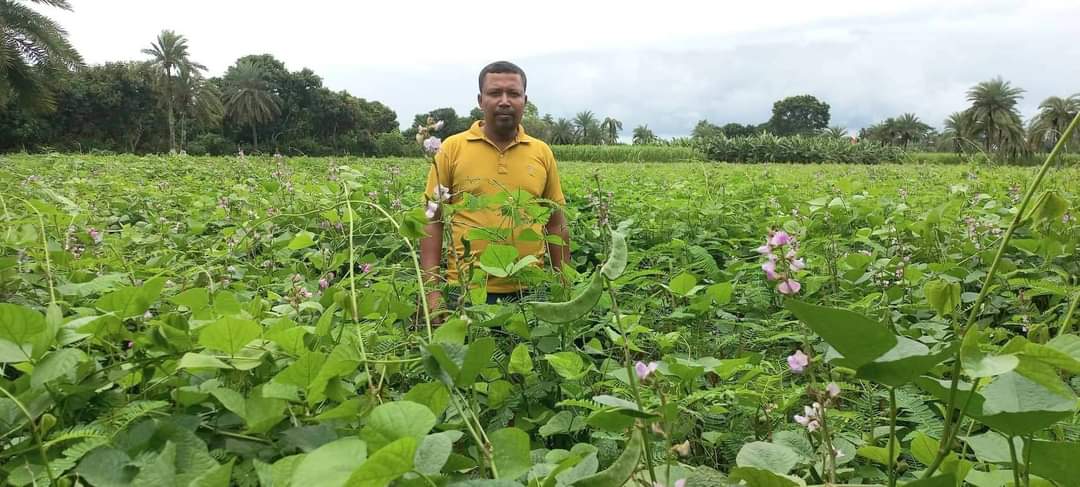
(438, 175)
(553, 188)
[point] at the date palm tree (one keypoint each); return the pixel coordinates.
(33, 50)
(959, 131)
(587, 127)
(993, 107)
(169, 55)
(1054, 115)
(643, 135)
(562, 132)
(197, 99)
(610, 129)
(249, 100)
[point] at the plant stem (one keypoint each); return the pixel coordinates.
(632, 377)
(892, 436)
(1015, 463)
(1065, 323)
(977, 306)
(36, 433)
(352, 298)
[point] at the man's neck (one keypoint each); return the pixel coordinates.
(500, 140)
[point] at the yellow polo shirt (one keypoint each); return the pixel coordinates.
(469, 162)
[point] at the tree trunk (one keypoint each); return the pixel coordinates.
(183, 131)
(169, 107)
(254, 138)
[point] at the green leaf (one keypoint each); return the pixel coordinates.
(192, 360)
(510, 449)
(944, 480)
(618, 474)
(302, 240)
(903, 363)
(229, 334)
(106, 467)
(569, 365)
(1049, 207)
(302, 372)
(161, 470)
(452, 331)
(386, 464)
(476, 358)
(683, 284)
(758, 477)
(195, 299)
(880, 454)
(769, 456)
(944, 296)
(216, 477)
(924, 448)
(573, 309)
(434, 395)
(979, 364)
(854, 336)
(393, 420)
(1056, 460)
(433, 452)
(992, 447)
(57, 364)
(330, 465)
(616, 262)
(1022, 405)
(521, 360)
(498, 259)
(20, 325)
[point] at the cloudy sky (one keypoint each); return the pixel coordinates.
(666, 64)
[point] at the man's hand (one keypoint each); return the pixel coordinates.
(434, 302)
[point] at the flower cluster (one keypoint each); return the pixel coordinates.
(425, 135)
(798, 362)
(782, 269)
(442, 194)
(643, 370)
(95, 235)
(813, 415)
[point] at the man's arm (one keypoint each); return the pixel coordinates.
(560, 254)
(431, 263)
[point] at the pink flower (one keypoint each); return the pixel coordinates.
(770, 270)
(833, 390)
(438, 125)
(810, 417)
(95, 235)
(304, 293)
(643, 371)
(798, 362)
(323, 284)
(432, 145)
(365, 268)
(442, 193)
(764, 249)
(798, 264)
(789, 287)
(780, 239)
(432, 208)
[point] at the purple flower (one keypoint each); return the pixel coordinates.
(95, 235)
(323, 284)
(770, 270)
(833, 390)
(810, 418)
(798, 264)
(789, 287)
(764, 249)
(432, 208)
(304, 293)
(798, 362)
(365, 268)
(432, 145)
(779, 239)
(438, 125)
(643, 371)
(442, 193)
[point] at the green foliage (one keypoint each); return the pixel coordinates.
(799, 148)
(799, 115)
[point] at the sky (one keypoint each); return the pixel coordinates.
(665, 64)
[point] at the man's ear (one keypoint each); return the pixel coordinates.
(526, 99)
(478, 104)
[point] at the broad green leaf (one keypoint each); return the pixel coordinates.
(683, 284)
(386, 464)
(619, 472)
(859, 339)
(573, 309)
(880, 454)
(477, 357)
(510, 451)
(330, 465)
(924, 448)
(107, 467)
(944, 296)
(1049, 207)
(193, 360)
(229, 334)
(979, 364)
(944, 480)
(1056, 460)
(452, 331)
(302, 240)
(434, 395)
(498, 259)
(216, 477)
(569, 365)
(1052, 356)
(903, 363)
(393, 420)
(1067, 344)
(433, 452)
(57, 364)
(759, 477)
(1020, 406)
(195, 299)
(161, 470)
(521, 360)
(616, 262)
(992, 447)
(769, 456)
(19, 325)
(302, 372)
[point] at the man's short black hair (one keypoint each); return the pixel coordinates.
(503, 67)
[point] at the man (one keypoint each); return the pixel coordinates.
(494, 155)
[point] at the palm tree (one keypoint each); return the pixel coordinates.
(198, 99)
(908, 128)
(33, 50)
(959, 130)
(170, 58)
(643, 135)
(835, 132)
(587, 128)
(611, 128)
(249, 100)
(1054, 115)
(993, 107)
(562, 132)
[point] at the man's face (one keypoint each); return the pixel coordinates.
(503, 102)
